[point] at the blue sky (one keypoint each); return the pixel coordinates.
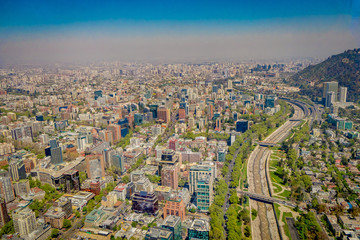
(44, 22)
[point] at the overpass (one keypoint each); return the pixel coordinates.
(267, 199)
(268, 144)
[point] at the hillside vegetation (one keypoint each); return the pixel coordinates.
(344, 68)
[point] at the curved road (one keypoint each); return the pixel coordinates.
(265, 225)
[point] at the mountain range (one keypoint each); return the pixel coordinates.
(343, 68)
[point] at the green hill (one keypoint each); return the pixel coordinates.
(344, 68)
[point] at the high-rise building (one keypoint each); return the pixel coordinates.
(168, 157)
(218, 124)
(130, 118)
(145, 202)
(175, 207)
(235, 116)
(195, 173)
(116, 132)
(22, 132)
(95, 166)
(204, 192)
(138, 119)
(230, 86)
(53, 143)
(71, 180)
(4, 216)
(199, 229)
(17, 170)
(153, 109)
(56, 156)
(330, 87)
(6, 189)
(21, 187)
(107, 154)
(117, 161)
(242, 126)
(182, 114)
(271, 101)
(169, 176)
(330, 99)
(173, 223)
(342, 94)
(163, 114)
(24, 221)
(215, 89)
(211, 111)
(81, 142)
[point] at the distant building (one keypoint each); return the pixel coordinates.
(55, 217)
(97, 94)
(330, 87)
(342, 94)
(173, 143)
(199, 229)
(221, 155)
(65, 205)
(153, 110)
(144, 184)
(55, 152)
(242, 126)
(163, 114)
(340, 123)
(271, 101)
(117, 161)
(169, 176)
(95, 166)
(330, 99)
(94, 217)
(182, 113)
(136, 175)
(21, 133)
(138, 119)
(158, 233)
(145, 202)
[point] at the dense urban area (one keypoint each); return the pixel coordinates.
(176, 151)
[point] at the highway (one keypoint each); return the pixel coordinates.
(265, 225)
(266, 199)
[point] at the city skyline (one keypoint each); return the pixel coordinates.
(42, 33)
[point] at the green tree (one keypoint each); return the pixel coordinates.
(8, 228)
(134, 224)
(54, 233)
(67, 223)
(125, 179)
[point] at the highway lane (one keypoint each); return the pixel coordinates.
(265, 225)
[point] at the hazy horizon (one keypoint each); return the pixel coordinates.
(43, 33)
